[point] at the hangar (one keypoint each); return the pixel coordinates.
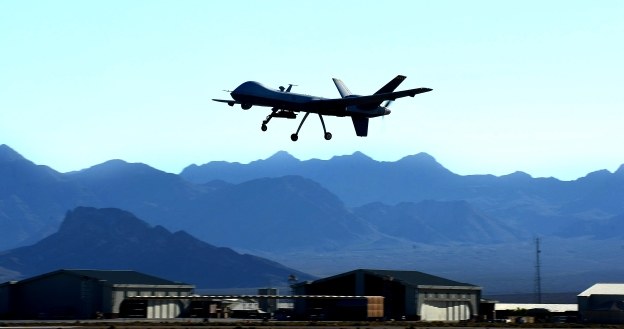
(407, 294)
(359, 294)
(602, 303)
(85, 294)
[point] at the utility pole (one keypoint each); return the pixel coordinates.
(538, 274)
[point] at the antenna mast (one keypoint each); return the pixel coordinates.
(538, 275)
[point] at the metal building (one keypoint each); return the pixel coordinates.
(407, 294)
(85, 294)
(531, 313)
(602, 303)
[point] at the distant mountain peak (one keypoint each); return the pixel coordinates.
(117, 166)
(603, 173)
(620, 170)
(357, 156)
(8, 154)
(422, 156)
(81, 220)
(518, 175)
(422, 160)
(111, 164)
(360, 155)
(282, 156)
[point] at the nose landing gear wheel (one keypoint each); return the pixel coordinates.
(264, 127)
(294, 137)
(328, 136)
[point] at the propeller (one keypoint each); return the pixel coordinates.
(387, 105)
(383, 117)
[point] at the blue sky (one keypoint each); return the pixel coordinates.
(534, 86)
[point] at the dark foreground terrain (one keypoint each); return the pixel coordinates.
(254, 324)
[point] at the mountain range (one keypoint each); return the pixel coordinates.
(535, 206)
(324, 216)
(111, 238)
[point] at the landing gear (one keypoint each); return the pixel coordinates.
(327, 134)
(288, 114)
(294, 137)
(277, 113)
(268, 118)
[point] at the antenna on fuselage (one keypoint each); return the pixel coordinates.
(286, 90)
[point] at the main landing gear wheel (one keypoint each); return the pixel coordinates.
(294, 137)
(328, 136)
(264, 127)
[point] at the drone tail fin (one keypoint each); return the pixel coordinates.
(342, 88)
(392, 85)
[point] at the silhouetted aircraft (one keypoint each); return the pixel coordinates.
(285, 104)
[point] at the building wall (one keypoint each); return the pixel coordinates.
(357, 284)
(5, 298)
(601, 308)
(394, 293)
(57, 296)
(108, 301)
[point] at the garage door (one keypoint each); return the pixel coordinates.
(163, 309)
(445, 311)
